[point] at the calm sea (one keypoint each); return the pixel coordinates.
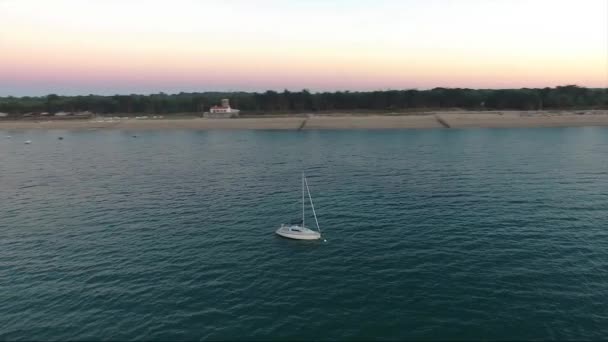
(431, 234)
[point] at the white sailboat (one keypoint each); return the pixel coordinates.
(300, 231)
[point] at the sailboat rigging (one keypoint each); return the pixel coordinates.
(300, 231)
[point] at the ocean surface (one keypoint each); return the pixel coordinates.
(431, 234)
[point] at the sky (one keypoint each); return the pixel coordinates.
(72, 47)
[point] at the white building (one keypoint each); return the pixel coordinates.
(223, 111)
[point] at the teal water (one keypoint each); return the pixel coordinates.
(432, 234)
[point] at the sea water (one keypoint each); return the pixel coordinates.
(431, 234)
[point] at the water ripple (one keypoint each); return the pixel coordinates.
(432, 234)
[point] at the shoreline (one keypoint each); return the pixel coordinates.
(427, 120)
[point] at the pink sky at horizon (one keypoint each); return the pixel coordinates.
(149, 47)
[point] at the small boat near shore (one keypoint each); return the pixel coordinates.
(299, 231)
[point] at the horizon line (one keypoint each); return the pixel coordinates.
(300, 90)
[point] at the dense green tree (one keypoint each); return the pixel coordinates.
(561, 97)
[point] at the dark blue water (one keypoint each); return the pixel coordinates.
(432, 234)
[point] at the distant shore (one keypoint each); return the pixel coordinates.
(437, 119)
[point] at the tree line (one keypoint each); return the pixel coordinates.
(561, 97)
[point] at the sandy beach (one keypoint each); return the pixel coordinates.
(525, 119)
(444, 120)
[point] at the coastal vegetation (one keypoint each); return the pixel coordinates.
(561, 97)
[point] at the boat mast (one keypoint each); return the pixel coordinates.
(303, 200)
(312, 205)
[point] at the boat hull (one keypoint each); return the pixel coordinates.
(298, 233)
